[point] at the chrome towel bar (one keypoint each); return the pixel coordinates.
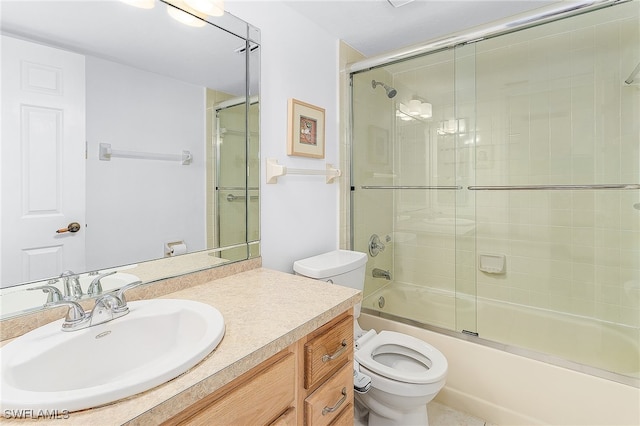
(555, 187)
(409, 187)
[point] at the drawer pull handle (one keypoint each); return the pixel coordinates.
(327, 410)
(343, 347)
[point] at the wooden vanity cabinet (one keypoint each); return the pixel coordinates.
(261, 396)
(308, 383)
(326, 385)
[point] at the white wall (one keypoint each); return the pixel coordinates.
(299, 214)
(135, 110)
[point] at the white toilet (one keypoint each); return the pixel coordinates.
(406, 373)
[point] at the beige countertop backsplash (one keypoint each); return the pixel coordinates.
(264, 311)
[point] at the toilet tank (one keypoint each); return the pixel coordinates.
(342, 267)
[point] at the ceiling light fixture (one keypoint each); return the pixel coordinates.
(184, 14)
(415, 109)
(184, 17)
(208, 7)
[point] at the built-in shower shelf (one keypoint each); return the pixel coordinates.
(492, 263)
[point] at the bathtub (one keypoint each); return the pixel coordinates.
(551, 336)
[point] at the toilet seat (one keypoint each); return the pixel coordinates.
(427, 364)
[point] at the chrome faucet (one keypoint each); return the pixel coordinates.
(95, 288)
(108, 307)
(53, 294)
(122, 300)
(76, 317)
(381, 273)
(71, 285)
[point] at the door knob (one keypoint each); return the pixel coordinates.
(72, 227)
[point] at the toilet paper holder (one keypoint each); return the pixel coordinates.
(175, 248)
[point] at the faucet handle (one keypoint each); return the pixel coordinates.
(75, 314)
(95, 288)
(120, 293)
(53, 294)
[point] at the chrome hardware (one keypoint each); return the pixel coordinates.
(71, 285)
(343, 347)
(76, 317)
(381, 302)
(381, 273)
(107, 308)
(231, 198)
(103, 334)
(554, 187)
(375, 245)
(72, 227)
(449, 187)
(53, 294)
(122, 301)
(95, 288)
(327, 410)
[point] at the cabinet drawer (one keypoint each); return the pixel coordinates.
(288, 418)
(345, 418)
(327, 352)
(329, 401)
(259, 400)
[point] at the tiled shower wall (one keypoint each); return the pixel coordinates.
(547, 105)
(552, 108)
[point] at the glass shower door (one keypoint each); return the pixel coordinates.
(405, 189)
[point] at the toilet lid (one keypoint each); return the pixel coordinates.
(403, 358)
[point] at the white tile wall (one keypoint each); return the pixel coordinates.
(548, 106)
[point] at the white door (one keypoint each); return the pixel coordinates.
(42, 155)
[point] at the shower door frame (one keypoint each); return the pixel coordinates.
(543, 16)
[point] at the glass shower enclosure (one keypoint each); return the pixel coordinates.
(497, 191)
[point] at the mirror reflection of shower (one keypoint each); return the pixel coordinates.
(391, 92)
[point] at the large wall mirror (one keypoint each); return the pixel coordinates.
(129, 146)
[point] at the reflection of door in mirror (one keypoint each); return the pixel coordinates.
(235, 195)
(43, 161)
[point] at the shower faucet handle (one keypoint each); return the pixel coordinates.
(375, 245)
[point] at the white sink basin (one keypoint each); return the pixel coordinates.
(156, 341)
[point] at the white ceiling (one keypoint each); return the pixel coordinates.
(374, 26)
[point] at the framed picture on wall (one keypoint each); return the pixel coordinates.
(306, 130)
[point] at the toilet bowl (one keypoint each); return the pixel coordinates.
(406, 373)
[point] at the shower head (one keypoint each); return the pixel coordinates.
(391, 92)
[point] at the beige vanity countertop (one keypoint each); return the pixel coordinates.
(265, 311)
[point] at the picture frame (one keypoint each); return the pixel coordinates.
(306, 130)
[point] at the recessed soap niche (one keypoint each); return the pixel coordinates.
(492, 263)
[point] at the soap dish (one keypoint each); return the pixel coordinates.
(492, 263)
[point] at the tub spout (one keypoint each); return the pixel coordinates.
(381, 273)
